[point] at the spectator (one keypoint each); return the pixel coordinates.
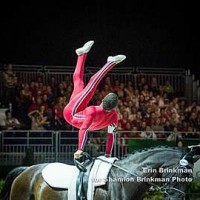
(60, 123)
(62, 91)
(120, 92)
(191, 133)
(9, 84)
(171, 137)
(168, 89)
(36, 105)
(198, 121)
(96, 142)
(158, 128)
(135, 133)
(54, 85)
(160, 101)
(10, 122)
(116, 86)
(137, 121)
(148, 133)
(105, 90)
(123, 139)
(38, 120)
(124, 120)
(109, 83)
(129, 90)
(179, 142)
(164, 116)
(25, 95)
(193, 120)
(193, 107)
(143, 126)
(168, 128)
(33, 89)
(142, 83)
(154, 86)
(179, 139)
(69, 90)
(145, 91)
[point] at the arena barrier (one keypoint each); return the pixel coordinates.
(177, 76)
(184, 83)
(64, 73)
(32, 147)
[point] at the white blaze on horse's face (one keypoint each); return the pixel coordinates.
(183, 162)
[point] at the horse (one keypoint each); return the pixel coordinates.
(153, 168)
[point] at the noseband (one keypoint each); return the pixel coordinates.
(183, 166)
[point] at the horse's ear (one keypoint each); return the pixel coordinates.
(194, 154)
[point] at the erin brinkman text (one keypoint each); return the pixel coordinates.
(167, 170)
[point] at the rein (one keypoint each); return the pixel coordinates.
(183, 163)
(131, 173)
(166, 187)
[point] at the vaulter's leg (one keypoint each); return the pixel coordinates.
(88, 92)
(79, 70)
(77, 79)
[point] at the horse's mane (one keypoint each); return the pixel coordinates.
(136, 163)
(151, 151)
(155, 148)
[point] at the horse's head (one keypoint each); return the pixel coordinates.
(168, 169)
(180, 175)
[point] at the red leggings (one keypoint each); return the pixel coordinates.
(81, 94)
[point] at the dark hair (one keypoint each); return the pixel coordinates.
(7, 111)
(110, 101)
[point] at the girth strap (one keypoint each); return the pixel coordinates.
(82, 181)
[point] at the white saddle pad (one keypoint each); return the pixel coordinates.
(99, 174)
(63, 176)
(59, 175)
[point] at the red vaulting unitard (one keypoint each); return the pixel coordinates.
(89, 118)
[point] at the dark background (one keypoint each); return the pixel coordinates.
(149, 33)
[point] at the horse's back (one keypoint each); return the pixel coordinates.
(24, 184)
(5, 192)
(30, 185)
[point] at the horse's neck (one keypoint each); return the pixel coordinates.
(135, 164)
(141, 165)
(151, 159)
(123, 181)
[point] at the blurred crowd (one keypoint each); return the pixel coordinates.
(146, 110)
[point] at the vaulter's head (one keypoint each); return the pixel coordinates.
(110, 101)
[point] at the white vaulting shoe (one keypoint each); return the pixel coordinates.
(116, 59)
(85, 48)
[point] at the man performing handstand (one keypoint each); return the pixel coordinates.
(90, 118)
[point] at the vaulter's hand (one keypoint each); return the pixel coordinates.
(77, 154)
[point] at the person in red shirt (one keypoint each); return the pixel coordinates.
(88, 118)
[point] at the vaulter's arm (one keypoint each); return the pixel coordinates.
(82, 135)
(111, 137)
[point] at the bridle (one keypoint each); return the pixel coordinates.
(183, 163)
(169, 186)
(153, 186)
